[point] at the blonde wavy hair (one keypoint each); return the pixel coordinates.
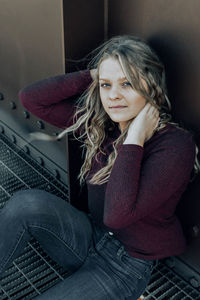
(145, 72)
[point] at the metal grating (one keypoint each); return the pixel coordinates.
(34, 272)
(166, 285)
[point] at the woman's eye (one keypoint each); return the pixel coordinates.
(126, 83)
(105, 85)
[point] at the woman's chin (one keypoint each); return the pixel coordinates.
(120, 120)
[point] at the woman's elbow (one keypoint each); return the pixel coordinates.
(23, 97)
(116, 223)
(27, 99)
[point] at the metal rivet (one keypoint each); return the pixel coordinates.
(1, 129)
(56, 134)
(48, 187)
(12, 105)
(26, 114)
(13, 139)
(40, 160)
(57, 174)
(194, 282)
(40, 124)
(1, 96)
(27, 150)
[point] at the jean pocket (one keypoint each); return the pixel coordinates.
(132, 267)
(136, 266)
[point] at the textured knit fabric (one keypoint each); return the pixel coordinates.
(138, 202)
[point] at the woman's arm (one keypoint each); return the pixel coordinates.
(51, 100)
(138, 186)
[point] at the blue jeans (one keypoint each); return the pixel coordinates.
(100, 266)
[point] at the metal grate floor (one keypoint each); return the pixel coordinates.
(166, 285)
(34, 272)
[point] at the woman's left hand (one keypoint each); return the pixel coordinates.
(143, 125)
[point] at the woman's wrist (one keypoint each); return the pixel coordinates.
(136, 140)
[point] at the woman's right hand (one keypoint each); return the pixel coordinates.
(93, 73)
(143, 125)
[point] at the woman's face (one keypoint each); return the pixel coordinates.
(121, 102)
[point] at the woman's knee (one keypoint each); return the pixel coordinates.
(26, 202)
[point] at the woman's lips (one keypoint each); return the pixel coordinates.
(117, 107)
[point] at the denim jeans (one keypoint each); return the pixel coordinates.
(100, 266)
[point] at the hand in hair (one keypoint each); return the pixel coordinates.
(93, 73)
(143, 125)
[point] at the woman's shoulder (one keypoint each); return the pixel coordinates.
(172, 135)
(174, 130)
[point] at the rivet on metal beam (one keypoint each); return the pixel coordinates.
(56, 134)
(194, 282)
(40, 124)
(12, 105)
(40, 160)
(13, 139)
(1, 96)
(57, 174)
(48, 187)
(26, 114)
(1, 129)
(27, 150)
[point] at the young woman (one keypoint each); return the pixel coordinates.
(137, 165)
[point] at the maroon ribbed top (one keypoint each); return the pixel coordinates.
(139, 200)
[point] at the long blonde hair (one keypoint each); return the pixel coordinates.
(145, 72)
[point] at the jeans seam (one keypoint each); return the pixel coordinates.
(14, 248)
(101, 242)
(76, 254)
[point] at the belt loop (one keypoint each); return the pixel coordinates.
(120, 251)
(102, 241)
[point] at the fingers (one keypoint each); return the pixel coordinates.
(147, 107)
(151, 110)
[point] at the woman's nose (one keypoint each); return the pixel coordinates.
(114, 93)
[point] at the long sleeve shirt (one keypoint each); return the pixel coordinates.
(139, 200)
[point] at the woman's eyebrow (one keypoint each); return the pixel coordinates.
(119, 79)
